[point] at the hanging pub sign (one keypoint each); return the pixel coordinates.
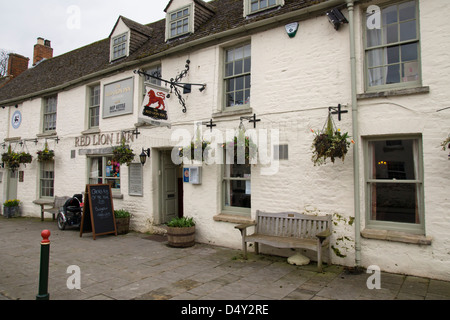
(118, 98)
(155, 105)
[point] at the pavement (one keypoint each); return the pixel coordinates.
(143, 267)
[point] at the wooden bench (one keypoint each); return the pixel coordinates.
(56, 204)
(289, 230)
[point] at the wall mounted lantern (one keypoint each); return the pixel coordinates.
(143, 156)
(336, 18)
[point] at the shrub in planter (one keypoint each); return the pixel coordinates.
(11, 208)
(122, 218)
(181, 232)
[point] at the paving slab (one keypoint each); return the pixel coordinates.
(140, 267)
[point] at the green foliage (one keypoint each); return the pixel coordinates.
(123, 154)
(121, 214)
(46, 154)
(181, 222)
(11, 203)
(330, 143)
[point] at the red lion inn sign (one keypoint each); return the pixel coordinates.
(155, 104)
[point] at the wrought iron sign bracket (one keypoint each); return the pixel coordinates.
(210, 124)
(175, 84)
(337, 110)
(251, 119)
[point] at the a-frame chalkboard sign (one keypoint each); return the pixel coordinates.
(98, 211)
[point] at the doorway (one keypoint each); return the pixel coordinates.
(171, 188)
(11, 182)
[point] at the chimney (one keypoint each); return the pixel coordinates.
(17, 64)
(42, 50)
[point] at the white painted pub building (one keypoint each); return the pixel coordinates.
(275, 69)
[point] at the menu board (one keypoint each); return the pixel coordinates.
(98, 211)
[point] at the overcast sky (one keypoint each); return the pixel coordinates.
(68, 24)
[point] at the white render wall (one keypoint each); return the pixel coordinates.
(294, 81)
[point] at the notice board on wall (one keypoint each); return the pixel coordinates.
(98, 211)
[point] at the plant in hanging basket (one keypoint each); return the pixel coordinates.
(446, 145)
(330, 143)
(11, 159)
(204, 145)
(25, 157)
(46, 154)
(123, 154)
(242, 142)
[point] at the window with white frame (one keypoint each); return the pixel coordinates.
(47, 179)
(103, 170)
(179, 22)
(119, 46)
(49, 116)
(237, 189)
(394, 179)
(392, 45)
(94, 106)
(238, 63)
(253, 6)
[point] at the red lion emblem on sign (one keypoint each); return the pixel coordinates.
(156, 98)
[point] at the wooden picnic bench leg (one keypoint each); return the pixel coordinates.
(256, 247)
(244, 244)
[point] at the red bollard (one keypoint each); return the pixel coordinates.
(43, 274)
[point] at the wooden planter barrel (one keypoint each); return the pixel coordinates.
(123, 225)
(181, 237)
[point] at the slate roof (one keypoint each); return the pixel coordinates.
(84, 63)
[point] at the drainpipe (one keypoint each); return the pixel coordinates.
(356, 183)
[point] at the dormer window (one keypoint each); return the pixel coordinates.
(119, 46)
(180, 22)
(254, 6)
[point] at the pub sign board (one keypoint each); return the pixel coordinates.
(98, 211)
(118, 98)
(155, 105)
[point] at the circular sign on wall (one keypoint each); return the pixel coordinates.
(16, 119)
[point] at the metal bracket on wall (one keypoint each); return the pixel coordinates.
(175, 84)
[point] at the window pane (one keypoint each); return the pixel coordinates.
(389, 15)
(263, 4)
(407, 10)
(238, 67)
(377, 76)
(374, 38)
(393, 159)
(394, 202)
(393, 55)
(408, 30)
(409, 52)
(247, 65)
(375, 58)
(393, 75)
(410, 71)
(391, 34)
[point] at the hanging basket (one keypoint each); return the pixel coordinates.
(330, 143)
(239, 143)
(46, 154)
(204, 145)
(123, 154)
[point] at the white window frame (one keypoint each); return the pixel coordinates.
(44, 181)
(170, 20)
(104, 179)
(93, 105)
(368, 49)
(249, 6)
(226, 181)
(49, 116)
(226, 77)
(121, 43)
(414, 228)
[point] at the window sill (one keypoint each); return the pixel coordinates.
(90, 131)
(396, 236)
(392, 93)
(47, 134)
(231, 113)
(231, 218)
